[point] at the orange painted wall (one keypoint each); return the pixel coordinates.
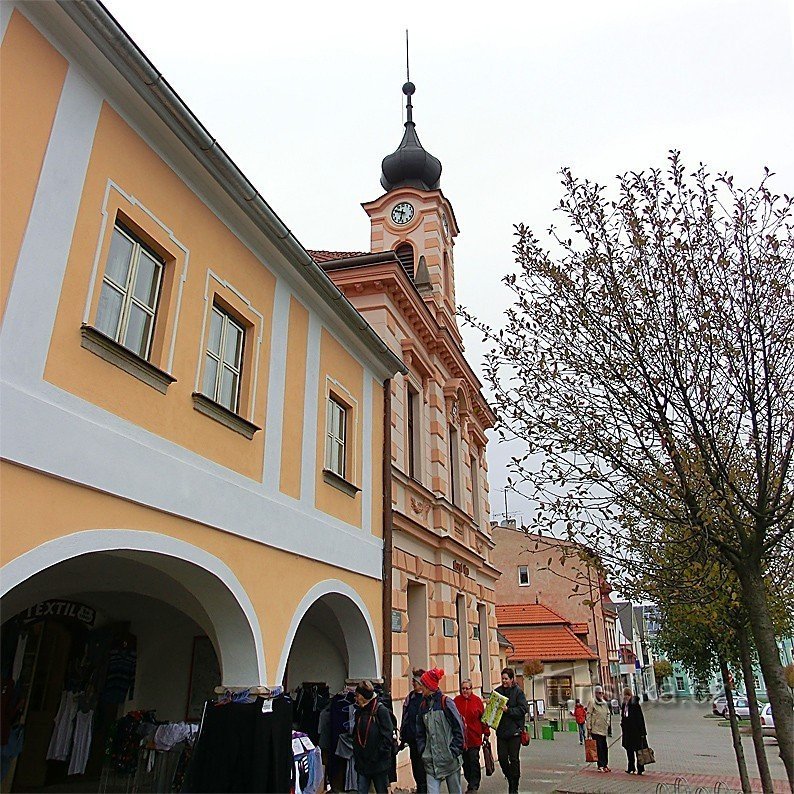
(337, 363)
(121, 155)
(53, 508)
(294, 397)
(32, 73)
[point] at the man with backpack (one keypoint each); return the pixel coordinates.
(439, 735)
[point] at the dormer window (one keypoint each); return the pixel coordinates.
(405, 253)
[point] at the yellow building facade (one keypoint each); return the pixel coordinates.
(192, 414)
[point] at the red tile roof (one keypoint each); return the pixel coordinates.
(330, 256)
(547, 643)
(526, 615)
(580, 628)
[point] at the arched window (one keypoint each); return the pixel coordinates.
(405, 253)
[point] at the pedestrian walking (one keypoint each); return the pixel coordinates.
(634, 734)
(471, 710)
(508, 732)
(599, 715)
(372, 740)
(408, 730)
(439, 734)
(580, 716)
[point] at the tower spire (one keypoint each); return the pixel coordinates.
(410, 165)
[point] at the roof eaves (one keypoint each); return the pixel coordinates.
(120, 50)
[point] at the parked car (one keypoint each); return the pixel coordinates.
(719, 706)
(767, 721)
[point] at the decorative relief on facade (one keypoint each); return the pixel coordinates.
(420, 507)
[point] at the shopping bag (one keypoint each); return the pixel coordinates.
(645, 756)
(590, 751)
(487, 755)
(525, 737)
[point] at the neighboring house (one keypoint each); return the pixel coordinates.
(636, 667)
(570, 667)
(192, 423)
(443, 576)
(545, 569)
(506, 649)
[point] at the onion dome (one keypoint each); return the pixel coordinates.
(410, 165)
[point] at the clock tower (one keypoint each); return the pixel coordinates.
(414, 219)
(439, 588)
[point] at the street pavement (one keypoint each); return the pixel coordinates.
(689, 746)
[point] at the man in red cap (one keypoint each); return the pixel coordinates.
(471, 710)
(439, 735)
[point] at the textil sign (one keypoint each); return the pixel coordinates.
(60, 609)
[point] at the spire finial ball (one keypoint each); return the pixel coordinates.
(409, 88)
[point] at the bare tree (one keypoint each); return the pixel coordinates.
(647, 363)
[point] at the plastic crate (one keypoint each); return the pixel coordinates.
(547, 732)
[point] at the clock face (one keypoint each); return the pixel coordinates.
(402, 213)
(445, 225)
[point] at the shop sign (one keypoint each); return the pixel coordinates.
(60, 609)
(460, 567)
(396, 620)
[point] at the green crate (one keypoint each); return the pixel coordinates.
(572, 726)
(547, 732)
(554, 725)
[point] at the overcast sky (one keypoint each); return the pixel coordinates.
(305, 98)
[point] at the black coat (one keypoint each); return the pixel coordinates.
(372, 739)
(632, 725)
(514, 719)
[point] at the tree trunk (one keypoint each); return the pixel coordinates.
(752, 702)
(737, 739)
(755, 598)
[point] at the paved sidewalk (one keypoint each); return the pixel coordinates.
(686, 743)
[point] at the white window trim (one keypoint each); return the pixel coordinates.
(209, 300)
(335, 390)
(127, 291)
(172, 241)
(336, 436)
(520, 583)
(237, 369)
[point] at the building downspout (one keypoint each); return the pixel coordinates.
(387, 539)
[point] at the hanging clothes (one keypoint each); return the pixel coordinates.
(242, 748)
(61, 740)
(120, 676)
(81, 749)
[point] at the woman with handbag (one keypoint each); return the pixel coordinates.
(599, 716)
(632, 725)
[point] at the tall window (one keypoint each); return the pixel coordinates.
(679, 683)
(463, 637)
(523, 575)
(224, 358)
(475, 489)
(130, 289)
(336, 437)
(454, 486)
(412, 429)
(405, 253)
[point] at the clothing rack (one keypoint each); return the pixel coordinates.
(356, 681)
(258, 691)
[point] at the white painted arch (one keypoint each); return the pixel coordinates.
(355, 620)
(208, 579)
